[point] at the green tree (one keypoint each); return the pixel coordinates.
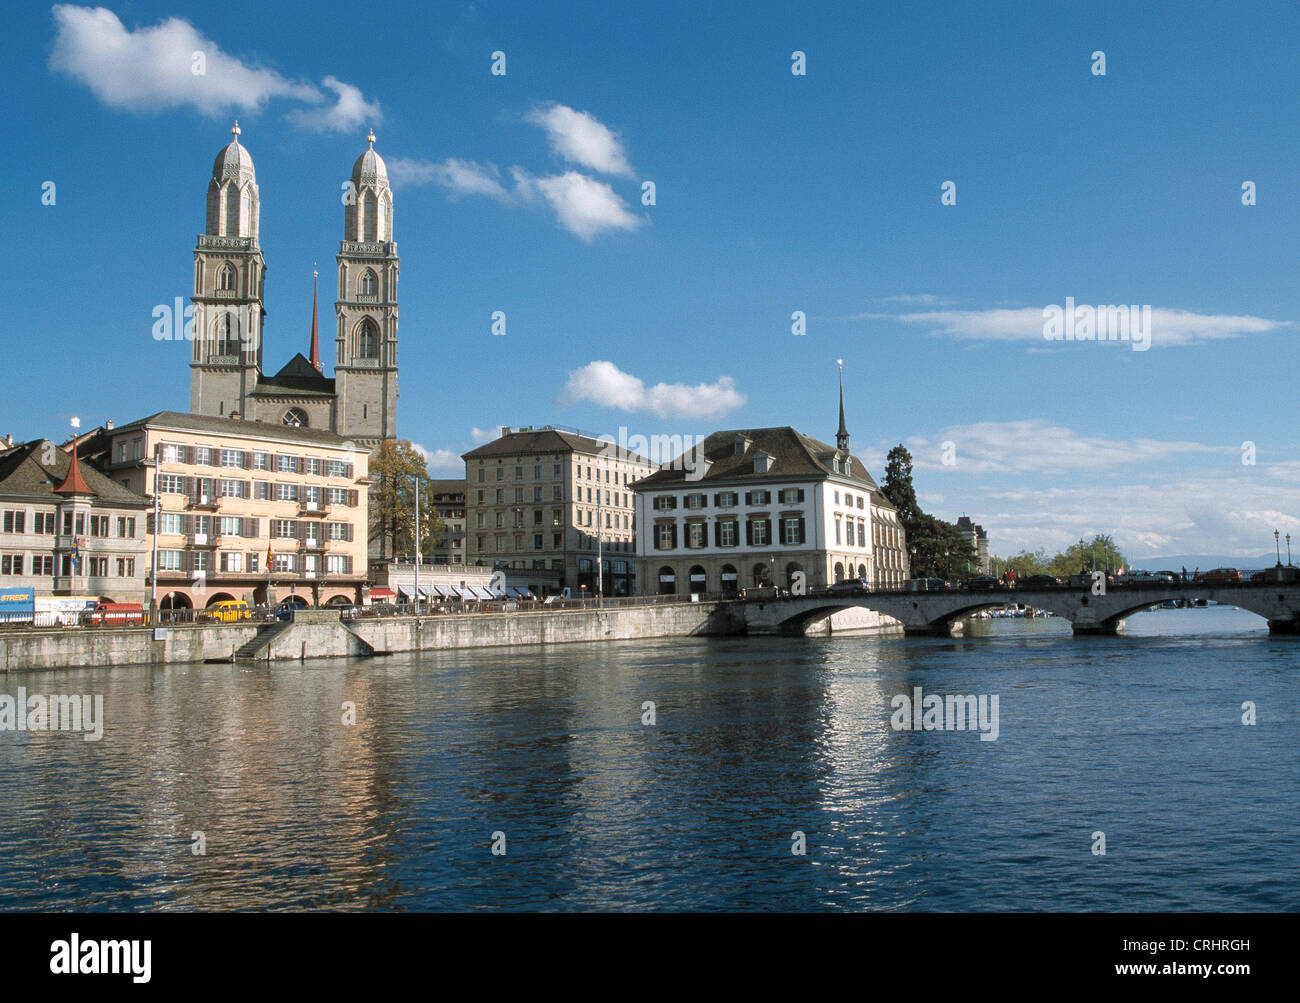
(1024, 564)
(1101, 553)
(397, 471)
(898, 484)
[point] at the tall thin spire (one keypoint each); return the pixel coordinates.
(74, 483)
(315, 339)
(842, 436)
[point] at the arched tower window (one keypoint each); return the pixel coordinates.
(295, 417)
(371, 218)
(231, 197)
(369, 285)
(386, 217)
(226, 279)
(368, 340)
(227, 335)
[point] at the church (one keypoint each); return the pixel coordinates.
(359, 402)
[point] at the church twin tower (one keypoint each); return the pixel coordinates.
(360, 401)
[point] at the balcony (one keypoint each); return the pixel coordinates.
(209, 503)
(202, 540)
(313, 508)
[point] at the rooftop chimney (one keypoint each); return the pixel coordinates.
(108, 424)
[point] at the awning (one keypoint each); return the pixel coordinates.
(481, 592)
(464, 593)
(444, 592)
(668, 578)
(408, 591)
(428, 591)
(383, 595)
(728, 576)
(698, 578)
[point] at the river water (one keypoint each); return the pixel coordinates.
(1140, 738)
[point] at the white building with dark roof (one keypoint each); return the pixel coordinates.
(761, 506)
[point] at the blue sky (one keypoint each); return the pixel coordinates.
(775, 193)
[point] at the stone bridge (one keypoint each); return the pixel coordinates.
(939, 612)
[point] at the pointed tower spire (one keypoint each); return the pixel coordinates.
(315, 339)
(842, 436)
(74, 483)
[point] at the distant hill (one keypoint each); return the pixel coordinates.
(1207, 561)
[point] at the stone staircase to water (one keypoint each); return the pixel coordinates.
(257, 648)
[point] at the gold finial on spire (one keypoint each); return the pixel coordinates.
(235, 130)
(313, 270)
(371, 137)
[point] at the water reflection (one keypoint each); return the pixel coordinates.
(754, 739)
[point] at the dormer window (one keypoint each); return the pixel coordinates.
(739, 445)
(763, 463)
(848, 465)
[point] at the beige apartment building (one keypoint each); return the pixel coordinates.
(545, 500)
(248, 510)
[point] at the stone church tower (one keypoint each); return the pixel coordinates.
(359, 402)
(226, 360)
(365, 368)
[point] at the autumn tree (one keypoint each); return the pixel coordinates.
(397, 471)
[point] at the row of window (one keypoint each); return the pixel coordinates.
(581, 473)
(80, 523)
(727, 499)
(180, 524)
(848, 540)
(204, 489)
(585, 517)
(539, 543)
(280, 463)
(791, 532)
(237, 562)
(42, 565)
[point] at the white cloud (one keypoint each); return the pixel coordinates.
(604, 384)
(441, 460)
(349, 112)
(151, 69)
(580, 138)
(1035, 446)
(459, 177)
(919, 299)
(482, 435)
(1168, 327)
(583, 205)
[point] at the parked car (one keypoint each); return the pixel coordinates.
(1172, 577)
(1040, 582)
(1219, 576)
(850, 587)
(980, 582)
(1140, 577)
(116, 614)
(937, 583)
(230, 611)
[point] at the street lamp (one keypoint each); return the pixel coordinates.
(416, 479)
(1277, 546)
(1288, 550)
(153, 574)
